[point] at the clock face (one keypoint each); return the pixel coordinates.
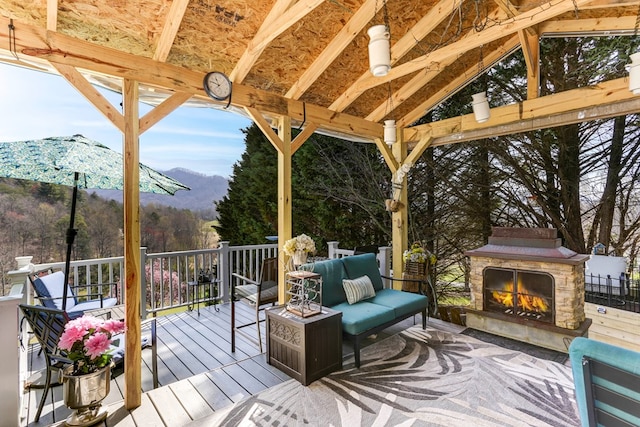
(217, 85)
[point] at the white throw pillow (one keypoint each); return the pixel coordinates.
(358, 289)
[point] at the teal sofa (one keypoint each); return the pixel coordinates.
(371, 315)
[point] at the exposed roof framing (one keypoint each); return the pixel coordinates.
(306, 59)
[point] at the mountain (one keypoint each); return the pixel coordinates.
(204, 191)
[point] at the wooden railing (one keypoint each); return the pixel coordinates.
(165, 277)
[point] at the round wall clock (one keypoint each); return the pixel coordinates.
(217, 85)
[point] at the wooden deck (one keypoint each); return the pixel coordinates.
(197, 372)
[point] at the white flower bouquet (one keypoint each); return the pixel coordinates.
(302, 243)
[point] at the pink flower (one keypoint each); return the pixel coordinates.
(87, 341)
(97, 344)
(70, 337)
(113, 326)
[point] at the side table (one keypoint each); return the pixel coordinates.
(195, 290)
(305, 348)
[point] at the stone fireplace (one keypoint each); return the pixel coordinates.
(526, 286)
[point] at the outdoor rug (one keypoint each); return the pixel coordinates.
(421, 378)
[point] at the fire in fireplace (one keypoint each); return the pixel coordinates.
(525, 294)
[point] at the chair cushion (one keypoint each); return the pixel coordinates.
(80, 308)
(51, 286)
(332, 272)
(364, 265)
(358, 289)
(361, 317)
(403, 303)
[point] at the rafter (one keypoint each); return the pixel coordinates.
(587, 26)
(170, 29)
(278, 24)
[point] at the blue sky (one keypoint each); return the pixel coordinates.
(37, 105)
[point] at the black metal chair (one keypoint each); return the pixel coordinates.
(256, 293)
(47, 325)
(49, 290)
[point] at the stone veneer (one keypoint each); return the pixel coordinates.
(568, 285)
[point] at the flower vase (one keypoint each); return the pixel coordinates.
(299, 258)
(84, 394)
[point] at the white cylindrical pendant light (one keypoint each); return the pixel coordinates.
(389, 132)
(480, 106)
(379, 50)
(634, 73)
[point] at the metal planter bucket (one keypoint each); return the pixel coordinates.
(84, 394)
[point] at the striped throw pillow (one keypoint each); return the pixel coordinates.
(358, 289)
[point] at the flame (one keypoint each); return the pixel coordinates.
(527, 302)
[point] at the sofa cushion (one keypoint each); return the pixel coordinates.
(358, 289)
(364, 265)
(361, 317)
(332, 272)
(403, 303)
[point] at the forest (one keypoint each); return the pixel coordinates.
(36, 216)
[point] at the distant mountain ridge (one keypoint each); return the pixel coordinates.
(205, 189)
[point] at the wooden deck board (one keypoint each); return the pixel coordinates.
(197, 372)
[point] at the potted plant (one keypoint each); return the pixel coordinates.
(416, 265)
(88, 343)
(298, 248)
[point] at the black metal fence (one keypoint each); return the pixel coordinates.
(621, 292)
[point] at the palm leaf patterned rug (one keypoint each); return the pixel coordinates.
(421, 378)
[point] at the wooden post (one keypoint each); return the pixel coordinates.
(131, 202)
(284, 199)
(399, 218)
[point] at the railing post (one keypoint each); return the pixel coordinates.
(143, 283)
(224, 270)
(384, 260)
(332, 249)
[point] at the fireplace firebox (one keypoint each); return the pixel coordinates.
(525, 294)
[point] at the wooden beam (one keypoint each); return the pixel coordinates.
(163, 109)
(387, 155)
(586, 26)
(92, 94)
(266, 129)
(132, 263)
(61, 49)
(604, 100)
(278, 24)
(302, 137)
(531, 50)
(170, 29)
(285, 228)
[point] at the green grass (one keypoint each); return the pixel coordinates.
(457, 300)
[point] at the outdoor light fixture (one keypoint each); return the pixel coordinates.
(480, 106)
(634, 73)
(379, 50)
(389, 132)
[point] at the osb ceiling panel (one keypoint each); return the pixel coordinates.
(215, 33)
(289, 55)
